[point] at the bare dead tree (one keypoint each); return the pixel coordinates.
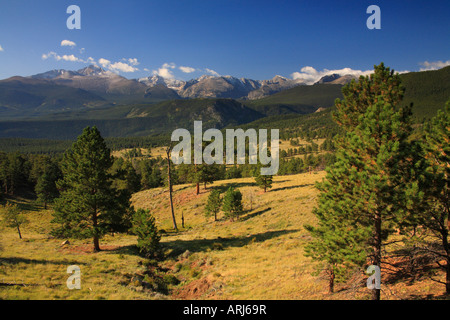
(169, 177)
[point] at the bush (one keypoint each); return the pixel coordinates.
(148, 237)
(232, 203)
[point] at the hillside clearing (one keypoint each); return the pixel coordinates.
(258, 257)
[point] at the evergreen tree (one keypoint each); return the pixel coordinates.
(89, 206)
(45, 188)
(144, 226)
(437, 217)
(263, 181)
(213, 204)
(232, 203)
(370, 186)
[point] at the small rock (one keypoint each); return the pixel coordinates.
(66, 242)
(186, 254)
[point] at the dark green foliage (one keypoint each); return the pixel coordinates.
(263, 181)
(300, 99)
(213, 204)
(150, 173)
(427, 90)
(233, 172)
(46, 190)
(437, 181)
(144, 226)
(232, 203)
(89, 206)
(125, 176)
(14, 172)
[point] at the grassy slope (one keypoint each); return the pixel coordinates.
(258, 257)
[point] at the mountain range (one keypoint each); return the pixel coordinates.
(96, 79)
(91, 87)
(60, 103)
(99, 81)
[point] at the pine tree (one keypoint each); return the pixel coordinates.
(89, 206)
(437, 217)
(144, 226)
(263, 181)
(45, 188)
(232, 203)
(370, 186)
(213, 204)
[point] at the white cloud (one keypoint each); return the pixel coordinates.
(214, 73)
(117, 66)
(165, 71)
(123, 67)
(45, 56)
(434, 65)
(68, 43)
(1, 49)
(133, 61)
(310, 75)
(104, 63)
(91, 60)
(187, 69)
(71, 58)
(57, 57)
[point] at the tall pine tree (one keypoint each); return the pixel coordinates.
(89, 206)
(437, 217)
(370, 187)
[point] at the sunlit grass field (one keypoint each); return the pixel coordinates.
(259, 256)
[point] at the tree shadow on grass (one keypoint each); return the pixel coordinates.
(236, 185)
(131, 250)
(254, 214)
(177, 247)
(292, 187)
(17, 260)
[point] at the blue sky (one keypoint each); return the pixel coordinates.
(252, 39)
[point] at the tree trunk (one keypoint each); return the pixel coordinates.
(331, 281)
(96, 238)
(96, 244)
(182, 219)
(446, 247)
(198, 188)
(170, 188)
(447, 277)
(18, 230)
(377, 251)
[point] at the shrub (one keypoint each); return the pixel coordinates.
(144, 227)
(232, 203)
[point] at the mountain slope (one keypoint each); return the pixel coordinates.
(427, 90)
(19, 96)
(137, 120)
(300, 99)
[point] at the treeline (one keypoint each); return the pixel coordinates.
(47, 146)
(35, 175)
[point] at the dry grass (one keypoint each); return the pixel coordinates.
(258, 257)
